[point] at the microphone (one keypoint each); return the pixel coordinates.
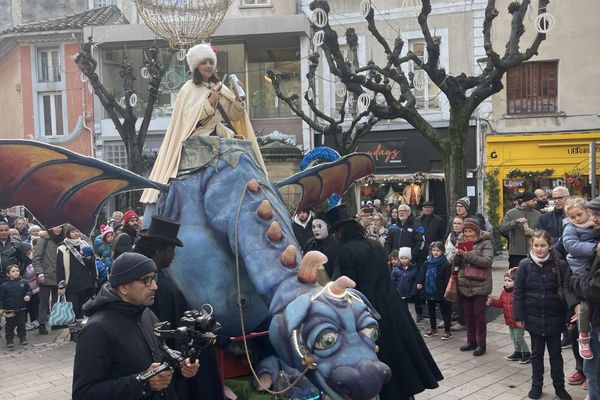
(237, 88)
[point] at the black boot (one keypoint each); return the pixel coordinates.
(42, 330)
(535, 392)
(516, 356)
(525, 358)
(479, 351)
(561, 393)
(468, 347)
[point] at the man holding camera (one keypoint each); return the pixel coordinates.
(117, 344)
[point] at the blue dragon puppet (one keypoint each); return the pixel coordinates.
(239, 251)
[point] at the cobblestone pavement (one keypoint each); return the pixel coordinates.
(44, 368)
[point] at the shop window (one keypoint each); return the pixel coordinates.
(51, 114)
(532, 88)
(256, 3)
(425, 91)
(116, 154)
(48, 65)
(263, 103)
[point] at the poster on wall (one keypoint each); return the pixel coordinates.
(388, 154)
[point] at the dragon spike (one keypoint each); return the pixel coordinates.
(309, 266)
(275, 233)
(339, 286)
(288, 257)
(265, 211)
(253, 185)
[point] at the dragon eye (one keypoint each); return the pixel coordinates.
(326, 339)
(372, 332)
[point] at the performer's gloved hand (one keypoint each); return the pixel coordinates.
(189, 370)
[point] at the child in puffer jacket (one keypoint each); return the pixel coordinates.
(580, 240)
(521, 353)
(405, 276)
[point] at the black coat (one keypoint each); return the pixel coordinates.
(587, 287)
(13, 252)
(536, 298)
(82, 276)
(303, 233)
(408, 234)
(114, 346)
(169, 305)
(401, 346)
(328, 246)
(12, 294)
(435, 228)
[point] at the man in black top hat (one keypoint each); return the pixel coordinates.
(158, 243)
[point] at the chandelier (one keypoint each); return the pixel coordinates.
(183, 23)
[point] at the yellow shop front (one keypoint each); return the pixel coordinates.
(531, 161)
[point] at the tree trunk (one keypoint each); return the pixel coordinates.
(454, 152)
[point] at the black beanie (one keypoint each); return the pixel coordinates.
(128, 267)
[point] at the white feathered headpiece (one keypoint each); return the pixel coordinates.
(200, 52)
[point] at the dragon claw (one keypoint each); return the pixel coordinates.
(309, 265)
(275, 233)
(265, 211)
(288, 257)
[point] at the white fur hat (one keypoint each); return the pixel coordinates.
(198, 53)
(405, 252)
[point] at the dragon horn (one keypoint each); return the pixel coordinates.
(339, 286)
(310, 263)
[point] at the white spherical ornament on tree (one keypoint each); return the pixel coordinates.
(145, 73)
(319, 17)
(133, 100)
(83, 77)
(365, 7)
(319, 38)
(181, 54)
(412, 5)
(419, 80)
(545, 22)
(340, 89)
(309, 94)
(363, 102)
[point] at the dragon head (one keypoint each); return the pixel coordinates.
(331, 331)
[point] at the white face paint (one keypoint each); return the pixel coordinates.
(319, 228)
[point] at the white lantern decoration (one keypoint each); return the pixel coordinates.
(133, 100)
(380, 99)
(319, 38)
(309, 94)
(363, 102)
(319, 17)
(419, 80)
(545, 22)
(365, 8)
(181, 54)
(145, 72)
(412, 5)
(83, 77)
(340, 89)
(122, 101)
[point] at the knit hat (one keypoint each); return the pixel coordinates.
(199, 53)
(405, 252)
(472, 223)
(105, 231)
(526, 196)
(593, 204)
(68, 229)
(128, 215)
(464, 201)
(128, 267)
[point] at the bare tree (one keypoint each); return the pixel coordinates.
(123, 117)
(464, 92)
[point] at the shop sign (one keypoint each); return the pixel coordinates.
(575, 150)
(387, 154)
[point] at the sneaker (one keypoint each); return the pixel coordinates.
(525, 358)
(430, 333)
(516, 356)
(458, 327)
(440, 325)
(576, 378)
(35, 324)
(585, 350)
(565, 343)
(10, 345)
(562, 394)
(535, 392)
(29, 326)
(584, 385)
(446, 336)
(42, 329)
(24, 342)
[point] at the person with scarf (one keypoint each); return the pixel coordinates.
(433, 279)
(75, 270)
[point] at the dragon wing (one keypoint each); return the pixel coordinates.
(320, 181)
(57, 185)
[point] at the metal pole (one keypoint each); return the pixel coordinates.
(593, 168)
